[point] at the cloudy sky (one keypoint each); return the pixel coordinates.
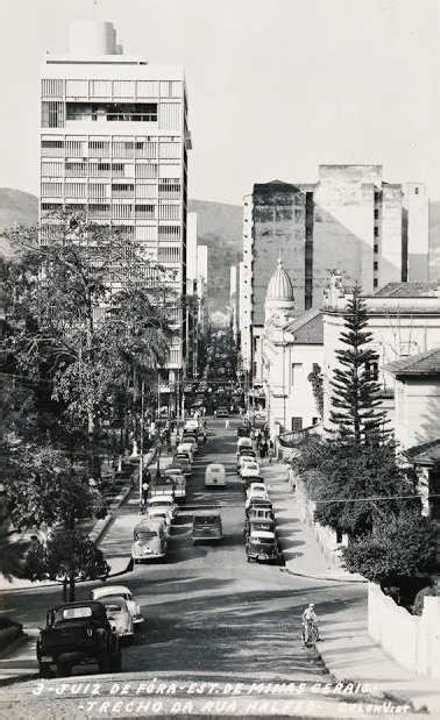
(274, 87)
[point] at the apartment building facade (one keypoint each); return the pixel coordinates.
(114, 144)
(350, 220)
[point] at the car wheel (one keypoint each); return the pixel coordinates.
(64, 669)
(116, 662)
(45, 670)
(104, 663)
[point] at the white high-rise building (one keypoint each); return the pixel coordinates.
(114, 140)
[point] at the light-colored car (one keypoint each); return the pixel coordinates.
(215, 475)
(191, 425)
(250, 469)
(120, 591)
(257, 490)
(243, 442)
(187, 445)
(119, 616)
(162, 502)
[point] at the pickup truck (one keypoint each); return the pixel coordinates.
(75, 634)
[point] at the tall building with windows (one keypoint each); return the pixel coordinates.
(114, 142)
(350, 220)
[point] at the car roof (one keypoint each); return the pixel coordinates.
(263, 533)
(94, 604)
(114, 599)
(207, 513)
(110, 590)
(257, 487)
(216, 466)
(160, 497)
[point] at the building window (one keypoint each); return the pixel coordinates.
(98, 191)
(145, 212)
(376, 231)
(295, 374)
(75, 190)
(52, 114)
(169, 212)
(376, 214)
(51, 189)
(171, 232)
(168, 254)
(372, 371)
(296, 424)
(416, 191)
(376, 249)
(99, 148)
(375, 265)
(122, 190)
(375, 282)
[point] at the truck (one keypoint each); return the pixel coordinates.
(77, 633)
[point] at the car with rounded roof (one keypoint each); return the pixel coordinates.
(119, 591)
(263, 546)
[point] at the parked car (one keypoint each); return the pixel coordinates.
(162, 502)
(119, 591)
(257, 513)
(256, 491)
(222, 412)
(207, 526)
(179, 483)
(182, 461)
(257, 525)
(263, 546)
(150, 539)
(245, 455)
(249, 469)
(243, 431)
(77, 633)
(186, 449)
(243, 442)
(215, 475)
(257, 501)
(119, 616)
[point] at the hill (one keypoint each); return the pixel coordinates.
(219, 227)
(16, 207)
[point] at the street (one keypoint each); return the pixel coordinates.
(208, 613)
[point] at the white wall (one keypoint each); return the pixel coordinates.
(417, 411)
(413, 641)
(400, 327)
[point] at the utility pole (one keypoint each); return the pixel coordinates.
(141, 451)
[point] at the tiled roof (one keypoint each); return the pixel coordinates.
(427, 453)
(409, 289)
(427, 363)
(307, 329)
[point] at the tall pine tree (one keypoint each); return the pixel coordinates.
(355, 401)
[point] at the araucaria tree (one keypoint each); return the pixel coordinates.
(355, 400)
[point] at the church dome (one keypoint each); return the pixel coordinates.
(280, 285)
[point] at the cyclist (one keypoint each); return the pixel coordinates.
(310, 619)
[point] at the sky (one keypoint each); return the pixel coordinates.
(275, 88)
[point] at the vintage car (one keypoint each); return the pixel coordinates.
(215, 475)
(249, 469)
(257, 525)
(256, 491)
(222, 412)
(245, 455)
(150, 539)
(260, 514)
(257, 502)
(263, 546)
(243, 431)
(119, 616)
(179, 483)
(191, 439)
(77, 633)
(182, 462)
(192, 424)
(207, 526)
(119, 591)
(164, 503)
(245, 441)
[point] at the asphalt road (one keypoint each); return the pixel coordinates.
(209, 617)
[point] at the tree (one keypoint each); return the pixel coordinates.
(67, 557)
(355, 401)
(317, 381)
(60, 296)
(354, 487)
(401, 545)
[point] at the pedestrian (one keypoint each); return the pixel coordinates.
(227, 424)
(270, 451)
(263, 450)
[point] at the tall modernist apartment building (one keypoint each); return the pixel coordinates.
(114, 141)
(350, 220)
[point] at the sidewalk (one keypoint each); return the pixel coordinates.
(347, 650)
(99, 530)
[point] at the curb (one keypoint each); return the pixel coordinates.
(322, 577)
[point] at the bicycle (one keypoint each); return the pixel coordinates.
(310, 633)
